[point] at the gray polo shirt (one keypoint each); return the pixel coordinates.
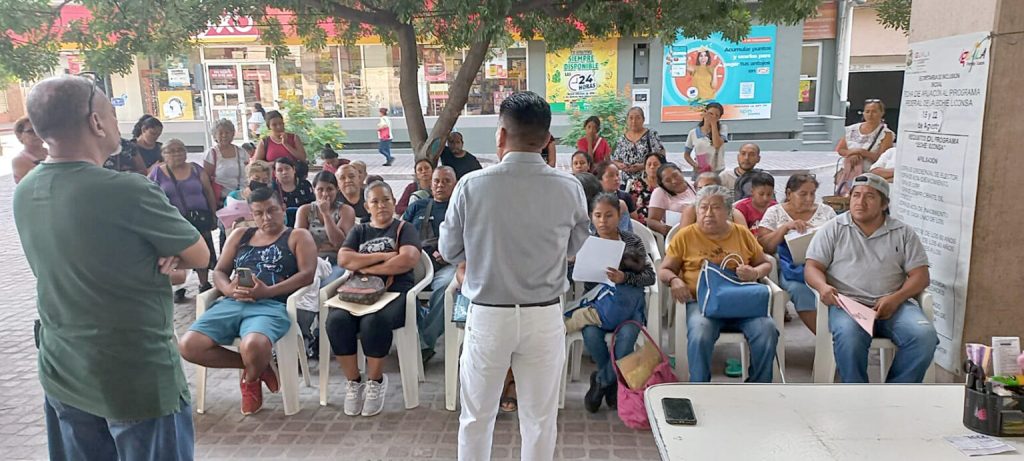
(863, 267)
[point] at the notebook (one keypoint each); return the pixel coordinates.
(798, 244)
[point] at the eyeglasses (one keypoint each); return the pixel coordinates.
(92, 94)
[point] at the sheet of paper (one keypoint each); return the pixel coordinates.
(594, 259)
(672, 218)
(864, 315)
(979, 445)
(798, 244)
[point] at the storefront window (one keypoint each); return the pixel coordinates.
(320, 89)
(355, 101)
(289, 76)
(170, 88)
(380, 79)
(500, 76)
(439, 71)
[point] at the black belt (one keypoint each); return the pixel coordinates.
(545, 303)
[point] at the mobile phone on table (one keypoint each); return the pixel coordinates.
(245, 277)
(679, 411)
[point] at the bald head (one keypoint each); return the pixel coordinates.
(59, 106)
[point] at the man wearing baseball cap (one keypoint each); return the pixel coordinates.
(878, 261)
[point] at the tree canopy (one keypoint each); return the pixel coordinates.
(118, 30)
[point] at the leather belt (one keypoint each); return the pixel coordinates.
(545, 303)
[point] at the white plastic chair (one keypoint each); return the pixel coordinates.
(291, 345)
(453, 336)
(668, 305)
(778, 300)
(574, 341)
(407, 338)
(824, 358)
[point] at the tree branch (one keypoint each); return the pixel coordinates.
(380, 19)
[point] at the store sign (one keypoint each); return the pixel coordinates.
(434, 69)
(944, 91)
(175, 105)
(497, 66)
(737, 75)
(231, 25)
(577, 74)
(823, 25)
(223, 78)
(256, 74)
(178, 77)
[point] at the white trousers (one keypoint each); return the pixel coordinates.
(532, 341)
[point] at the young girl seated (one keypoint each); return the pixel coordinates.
(626, 299)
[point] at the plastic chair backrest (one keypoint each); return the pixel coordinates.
(647, 236)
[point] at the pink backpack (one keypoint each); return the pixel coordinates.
(631, 401)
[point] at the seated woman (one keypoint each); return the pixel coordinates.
(798, 213)
(704, 180)
(383, 247)
(280, 261)
(352, 191)
(712, 238)
(581, 162)
(608, 174)
(328, 220)
(294, 191)
(625, 303)
(642, 188)
(592, 143)
(673, 194)
(418, 189)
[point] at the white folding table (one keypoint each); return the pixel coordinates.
(806, 422)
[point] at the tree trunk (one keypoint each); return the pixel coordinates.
(458, 95)
(408, 87)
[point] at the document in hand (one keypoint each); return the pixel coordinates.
(672, 218)
(594, 259)
(798, 244)
(864, 315)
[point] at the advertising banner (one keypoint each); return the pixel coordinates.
(944, 90)
(736, 75)
(175, 105)
(577, 74)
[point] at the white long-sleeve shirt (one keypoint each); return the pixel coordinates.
(515, 224)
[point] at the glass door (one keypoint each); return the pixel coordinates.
(235, 88)
(810, 69)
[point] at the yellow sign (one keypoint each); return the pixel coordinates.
(175, 105)
(577, 74)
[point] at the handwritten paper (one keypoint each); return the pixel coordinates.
(863, 315)
(594, 259)
(979, 445)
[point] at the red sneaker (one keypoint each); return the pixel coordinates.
(270, 379)
(252, 397)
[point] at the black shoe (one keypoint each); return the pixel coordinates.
(427, 354)
(592, 400)
(611, 395)
(387, 163)
(179, 296)
(205, 287)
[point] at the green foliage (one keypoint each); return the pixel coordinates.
(894, 14)
(609, 107)
(299, 120)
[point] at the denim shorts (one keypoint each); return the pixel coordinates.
(228, 319)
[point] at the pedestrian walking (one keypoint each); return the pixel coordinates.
(384, 135)
(101, 245)
(514, 224)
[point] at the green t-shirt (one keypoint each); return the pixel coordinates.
(92, 238)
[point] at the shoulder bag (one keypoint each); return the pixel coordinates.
(636, 372)
(721, 294)
(202, 220)
(367, 289)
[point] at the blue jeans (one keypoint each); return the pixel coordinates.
(702, 332)
(385, 149)
(73, 434)
(593, 340)
(431, 322)
(799, 293)
(908, 328)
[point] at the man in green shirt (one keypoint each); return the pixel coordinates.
(101, 244)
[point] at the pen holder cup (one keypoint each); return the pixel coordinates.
(993, 414)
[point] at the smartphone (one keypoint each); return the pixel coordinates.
(245, 277)
(679, 411)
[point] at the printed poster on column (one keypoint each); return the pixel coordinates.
(736, 75)
(939, 150)
(577, 74)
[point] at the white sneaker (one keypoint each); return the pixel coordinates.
(374, 402)
(354, 397)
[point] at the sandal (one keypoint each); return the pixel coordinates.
(509, 404)
(733, 368)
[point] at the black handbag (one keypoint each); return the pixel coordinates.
(367, 289)
(202, 220)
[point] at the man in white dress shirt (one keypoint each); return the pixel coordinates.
(514, 224)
